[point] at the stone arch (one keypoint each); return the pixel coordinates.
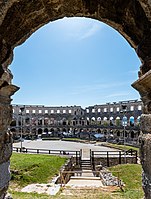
(93, 119)
(105, 121)
(22, 18)
(46, 121)
(117, 121)
(99, 131)
(138, 120)
(105, 118)
(111, 121)
(124, 121)
(13, 123)
(39, 131)
(64, 130)
(46, 130)
(27, 120)
(99, 120)
(33, 121)
(132, 134)
(118, 133)
(64, 122)
(132, 121)
(13, 130)
(40, 121)
(33, 130)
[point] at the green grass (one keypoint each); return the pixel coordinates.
(74, 139)
(88, 194)
(122, 147)
(20, 195)
(50, 138)
(34, 168)
(131, 176)
(41, 168)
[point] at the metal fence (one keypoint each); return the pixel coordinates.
(119, 157)
(76, 154)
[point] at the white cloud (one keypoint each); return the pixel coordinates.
(90, 31)
(79, 28)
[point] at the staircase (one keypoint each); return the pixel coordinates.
(86, 176)
(86, 164)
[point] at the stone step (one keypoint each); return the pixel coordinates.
(83, 163)
(84, 178)
(86, 168)
(86, 165)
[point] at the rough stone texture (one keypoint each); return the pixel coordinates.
(145, 123)
(145, 142)
(20, 18)
(4, 174)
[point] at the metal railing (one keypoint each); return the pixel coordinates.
(108, 155)
(48, 151)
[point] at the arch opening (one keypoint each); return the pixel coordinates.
(126, 23)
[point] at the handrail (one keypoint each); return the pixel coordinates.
(46, 151)
(113, 154)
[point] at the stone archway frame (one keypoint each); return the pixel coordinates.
(20, 18)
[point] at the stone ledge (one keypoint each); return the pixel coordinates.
(143, 84)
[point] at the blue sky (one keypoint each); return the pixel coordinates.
(74, 61)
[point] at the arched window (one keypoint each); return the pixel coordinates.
(46, 121)
(111, 121)
(138, 119)
(132, 134)
(118, 133)
(99, 120)
(105, 118)
(105, 122)
(39, 131)
(131, 121)
(124, 121)
(139, 107)
(93, 119)
(46, 130)
(117, 121)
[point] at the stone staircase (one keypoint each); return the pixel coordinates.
(86, 176)
(86, 164)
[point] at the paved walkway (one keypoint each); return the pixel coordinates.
(84, 183)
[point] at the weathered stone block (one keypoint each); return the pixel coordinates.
(145, 124)
(6, 152)
(4, 174)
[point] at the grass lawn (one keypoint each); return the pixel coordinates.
(34, 168)
(131, 176)
(29, 168)
(122, 147)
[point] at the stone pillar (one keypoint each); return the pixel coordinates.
(143, 85)
(17, 124)
(5, 137)
(43, 121)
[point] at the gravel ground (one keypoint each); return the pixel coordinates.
(62, 145)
